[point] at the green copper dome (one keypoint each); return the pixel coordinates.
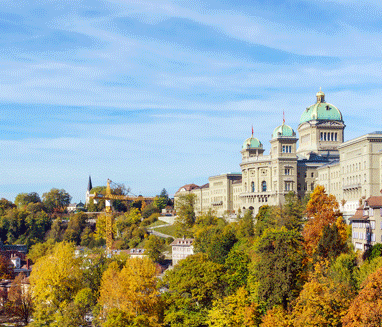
(283, 131)
(321, 110)
(252, 143)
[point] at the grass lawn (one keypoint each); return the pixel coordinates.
(157, 223)
(168, 230)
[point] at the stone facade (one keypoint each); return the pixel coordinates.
(367, 224)
(181, 249)
(352, 171)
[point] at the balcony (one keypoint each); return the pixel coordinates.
(351, 186)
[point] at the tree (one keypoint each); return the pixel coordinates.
(5, 270)
(55, 280)
(331, 244)
(5, 205)
(20, 301)
(131, 291)
(321, 210)
(278, 267)
(246, 225)
(234, 310)
(193, 285)
(277, 316)
(76, 225)
(185, 214)
(215, 241)
(23, 199)
(366, 309)
(236, 266)
(161, 200)
(56, 200)
(154, 246)
(322, 301)
(264, 220)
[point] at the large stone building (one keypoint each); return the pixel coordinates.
(351, 170)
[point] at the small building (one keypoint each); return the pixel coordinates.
(367, 224)
(181, 249)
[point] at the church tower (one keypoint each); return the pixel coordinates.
(321, 130)
(90, 186)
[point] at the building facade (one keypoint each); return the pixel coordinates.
(351, 171)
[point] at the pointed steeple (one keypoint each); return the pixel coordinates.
(90, 186)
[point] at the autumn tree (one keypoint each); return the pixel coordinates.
(366, 309)
(245, 226)
(131, 291)
(5, 270)
(234, 310)
(321, 210)
(264, 220)
(55, 280)
(323, 301)
(193, 285)
(278, 267)
(19, 305)
(277, 316)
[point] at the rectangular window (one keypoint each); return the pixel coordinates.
(373, 237)
(372, 224)
(288, 186)
(287, 171)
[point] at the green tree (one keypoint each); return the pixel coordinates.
(56, 200)
(331, 244)
(278, 267)
(236, 266)
(193, 284)
(76, 225)
(5, 205)
(23, 199)
(264, 220)
(154, 246)
(215, 241)
(246, 225)
(185, 214)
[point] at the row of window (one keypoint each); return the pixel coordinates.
(363, 236)
(287, 149)
(327, 136)
(353, 167)
(364, 224)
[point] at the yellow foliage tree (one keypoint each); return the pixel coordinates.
(276, 316)
(321, 210)
(366, 309)
(234, 311)
(131, 291)
(55, 280)
(322, 302)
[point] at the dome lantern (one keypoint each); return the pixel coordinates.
(320, 96)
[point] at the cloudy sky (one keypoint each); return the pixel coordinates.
(158, 94)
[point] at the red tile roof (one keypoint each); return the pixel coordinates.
(374, 202)
(188, 187)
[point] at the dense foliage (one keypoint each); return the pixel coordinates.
(290, 265)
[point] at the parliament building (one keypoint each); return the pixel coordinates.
(352, 170)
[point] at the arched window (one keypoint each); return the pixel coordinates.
(264, 186)
(253, 187)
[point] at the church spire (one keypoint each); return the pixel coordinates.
(90, 186)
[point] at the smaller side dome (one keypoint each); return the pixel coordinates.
(283, 131)
(252, 143)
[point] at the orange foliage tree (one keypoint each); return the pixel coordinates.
(366, 309)
(321, 210)
(276, 316)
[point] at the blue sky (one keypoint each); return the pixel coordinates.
(158, 94)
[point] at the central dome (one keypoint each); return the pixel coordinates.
(321, 110)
